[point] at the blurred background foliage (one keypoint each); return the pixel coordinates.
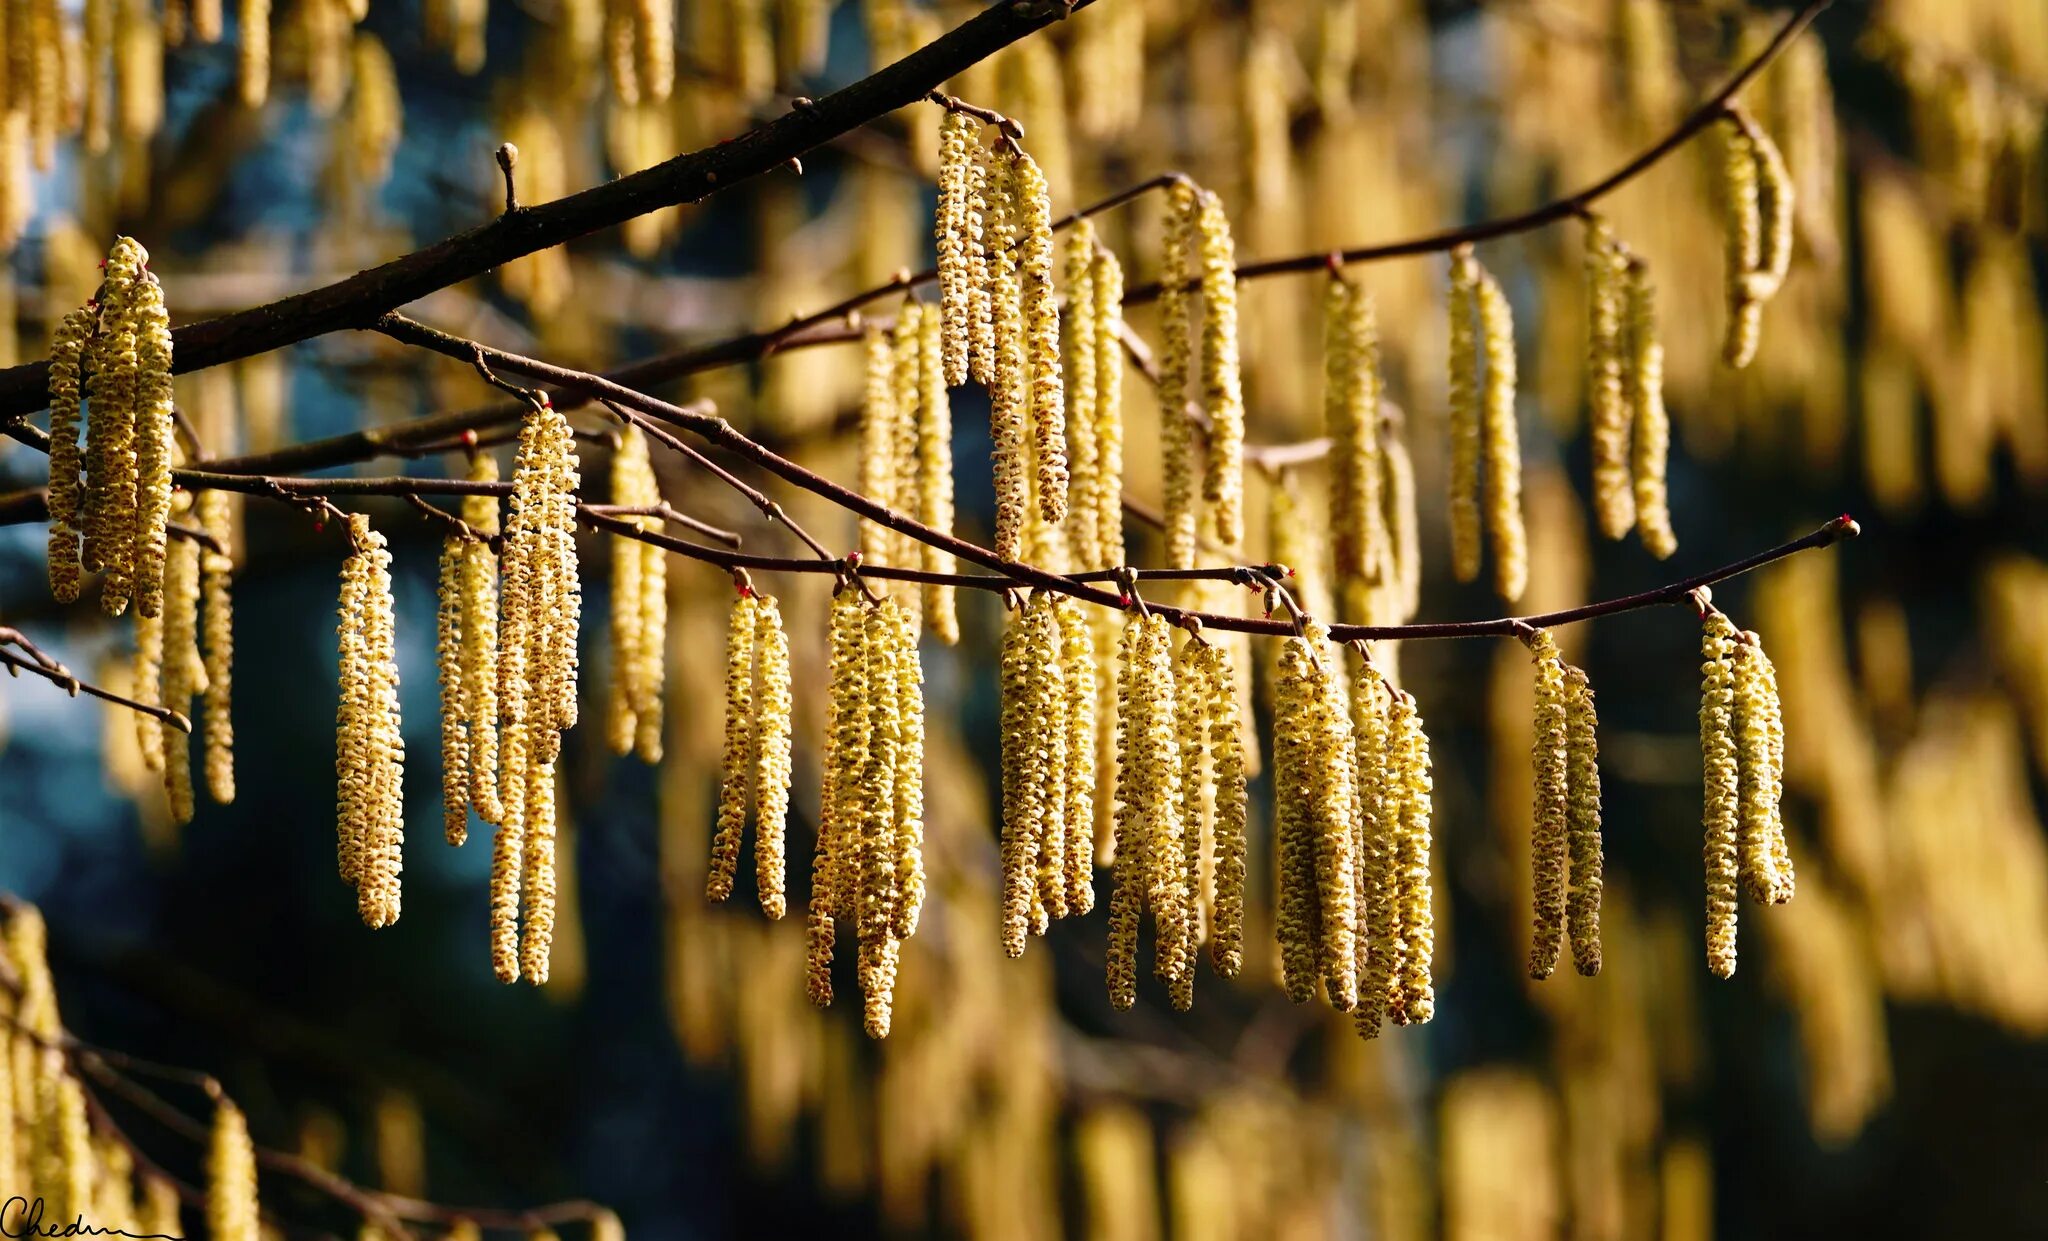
(1877, 1066)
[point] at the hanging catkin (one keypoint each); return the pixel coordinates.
(1179, 878)
(1176, 434)
(832, 884)
(1321, 765)
(252, 53)
(146, 684)
(956, 159)
(1643, 382)
(982, 238)
(1226, 746)
(448, 641)
(1079, 322)
(1378, 943)
(737, 774)
(1009, 382)
(935, 479)
(1744, 244)
(1582, 762)
(1759, 739)
(1032, 202)
(370, 748)
(1351, 402)
(901, 446)
(1136, 768)
(479, 626)
(215, 512)
(1294, 875)
(1723, 787)
(231, 1208)
(112, 390)
(1049, 751)
(1547, 848)
(1106, 281)
(1613, 501)
(154, 444)
(67, 348)
(878, 414)
(1464, 414)
(1077, 812)
(1411, 767)
(1504, 523)
(1222, 385)
(772, 763)
(907, 685)
(632, 485)
(184, 674)
(877, 832)
(537, 896)
(1403, 532)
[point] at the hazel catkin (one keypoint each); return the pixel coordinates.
(1032, 204)
(956, 158)
(1106, 281)
(935, 479)
(1176, 435)
(1504, 523)
(231, 1204)
(736, 777)
(1722, 787)
(479, 629)
(454, 712)
(1464, 414)
(1222, 385)
(1759, 742)
(1582, 759)
(370, 747)
(215, 512)
(1351, 400)
(184, 673)
(154, 441)
(67, 347)
(1613, 500)
(1009, 383)
(1411, 767)
(1080, 356)
(1226, 746)
(1547, 851)
(1744, 243)
(1643, 382)
(772, 762)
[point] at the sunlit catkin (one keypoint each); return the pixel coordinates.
(956, 158)
(1404, 534)
(1106, 281)
(479, 627)
(370, 748)
(538, 884)
(1033, 204)
(1722, 787)
(1226, 748)
(112, 389)
(1744, 243)
(832, 881)
(1411, 767)
(215, 514)
(907, 685)
(1135, 772)
(1222, 384)
(1176, 435)
(737, 773)
(67, 348)
(1776, 214)
(231, 1209)
(154, 445)
(1613, 500)
(1547, 850)
(454, 712)
(878, 417)
(1081, 687)
(1079, 323)
(1009, 382)
(979, 226)
(1351, 400)
(772, 757)
(184, 674)
(1464, 414)
(1379, 820)
(252, 52)
(935, 478)
(1504, 523)
(1643, 383)
(1759, 738)
(1582, 763)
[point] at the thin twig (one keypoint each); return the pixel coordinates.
(35, 660)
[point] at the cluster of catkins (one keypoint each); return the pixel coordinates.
(187, 650)
(757, 751)
(1374, 552)
(49, 1152)
(1485, 436)
(1179, 758)
(1631, 432)
(1757, 196)
(1352, 810)
(906, 452)
(369, 749)
(1198, 237)
(110, 509)
(1742, 746)
(867, 874)
(639, 615)
(1056, 408)
(1567, 814)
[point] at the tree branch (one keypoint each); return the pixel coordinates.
(34, 659)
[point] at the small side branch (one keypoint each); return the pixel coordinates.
(28, 657)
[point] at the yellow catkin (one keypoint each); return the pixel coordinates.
(1351, 400)
(1162, 842)
(508, 850)
(1296, 916)
(1582, 762)
(448, 642)
(1106, 282)
(216, 515)
(538, 890)
(1412, 879)
(874, 804)
(979, 226)
(651, 659)
(1722, 788)
(1744, 244)
(738, 770)
(1080, 325)
(1547, 849)
(1176, 434)
(370, 750)
(1504, 523)
(908, 687)
(67, 348)
(154, 444)
(1222, 383)
(96, 28)
(1180, 875)
(1009, 385)
(1332, 773)
(956, 158)
(934, 432)
(620, 35)
(1777, 210)
(639, 596)
(252, 53)
(146, 685)
(1464, 414)
(184, 674)
(1040, 307)
(1229, 845)
(845, 744)
(480, 643)
(655, 49)
(1049, 751)
(772, 765)
(1077, 811)
(69, 1153)
(1137, 765)
(1643, 381)
(231, 1205)
(899, 443)
(112, 388)
(1613, 501)
(1023, 817)
(1759, 740)
(1378, 944)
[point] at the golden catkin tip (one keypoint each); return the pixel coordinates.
(231, 1207)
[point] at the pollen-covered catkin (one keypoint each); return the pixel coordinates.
(1033, 204)
(1049, 751)
(1106, 281)
(215, 512)
(1127, 900)
(112, 390)
(901, 446)
(537, 896)
(1229, 844)
(479, 628)
(1079, 322)
(154, 441)
(1643, 381)
(935, 478)
(632, 485)
(737, 773)
(1077, 810)
(1181, 876)
(454, 712)
(1776, 210)
(876, 809)
(1404, 533)
(878, 415)
(1176, 434)
(184, 674)
(1412, 880)
(1351, 400)
(1504, 523)
(67, 349)
(370, 747)
(1464, 414)
(1296, 916)
(1758, 739)
(1744, 244)
(1613, 501)
(772, 763)
(1009, 387)
(508, 851)
(231, 1208)
(1722, 788)
(1023, 817)
(845, 749)
(252, 52)
(1333, 776)
(956, 159)
(1547, 848)
(1378, 942)
(1222, 383)
(1582, 763)
(907, 685)
(980, 225)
